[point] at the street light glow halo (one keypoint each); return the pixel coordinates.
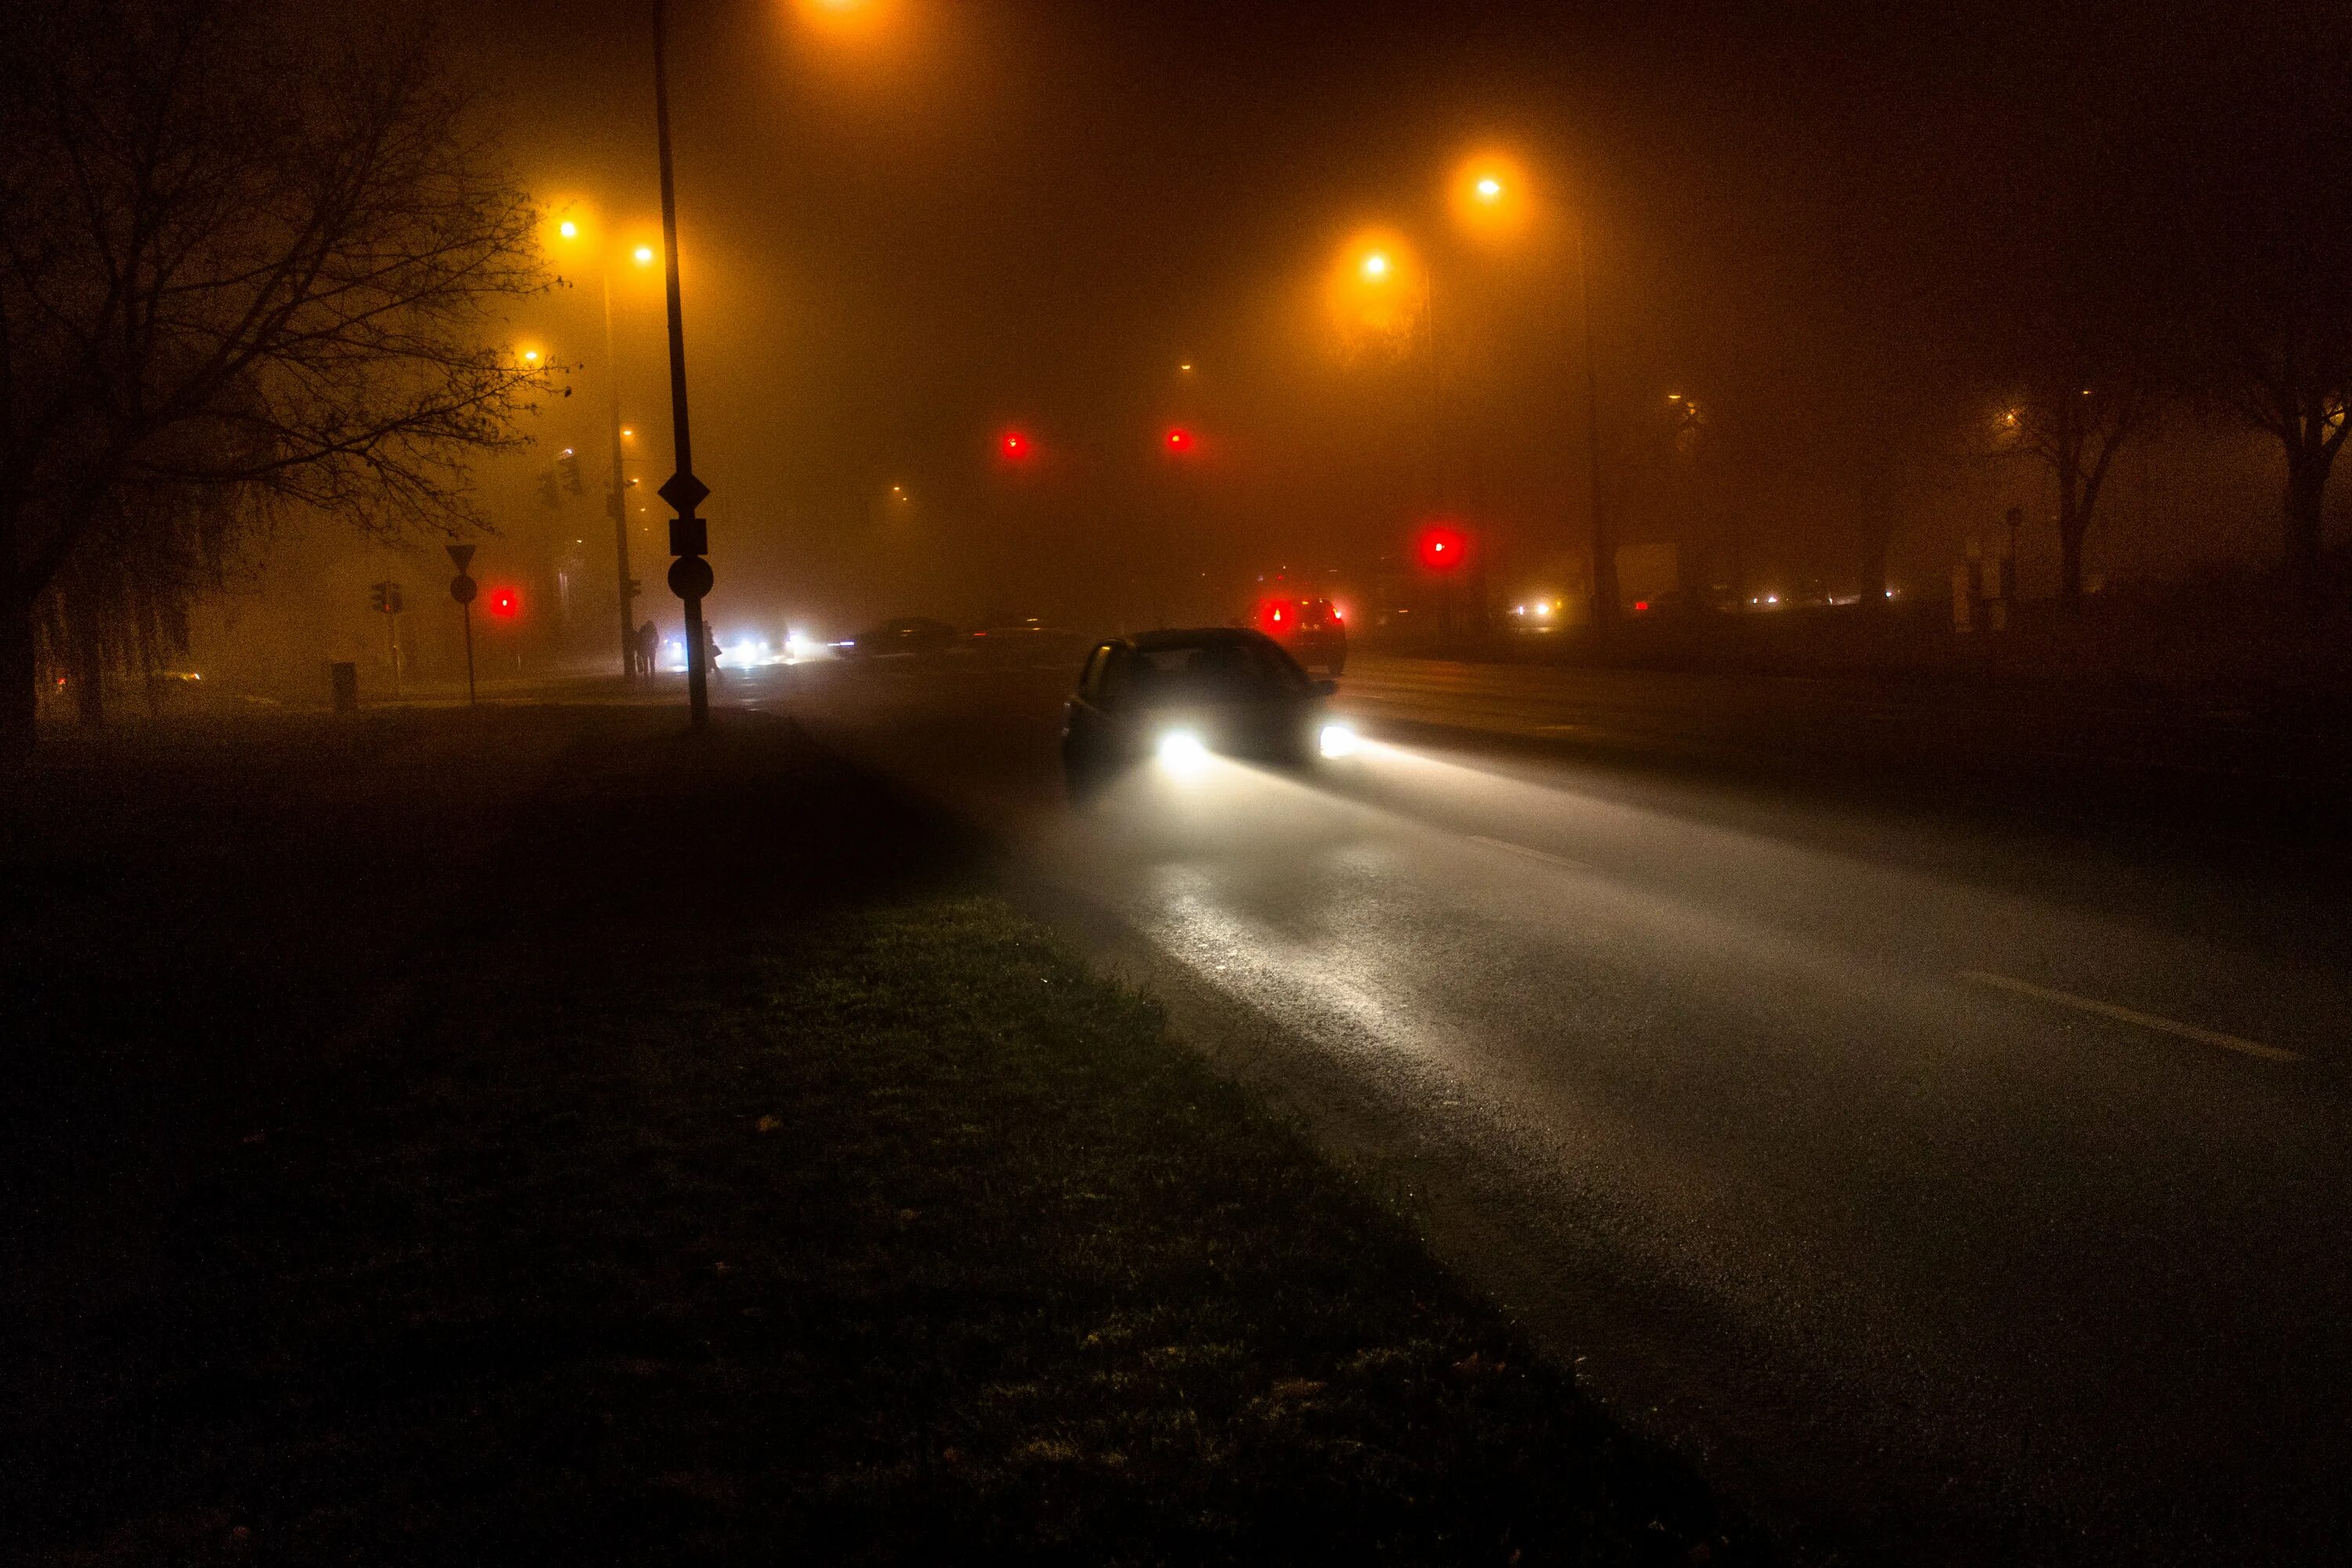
(1489, 195)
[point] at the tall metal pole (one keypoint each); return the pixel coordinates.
(689, 537)
(1440, 489)
(618, 503)
(1604, 538)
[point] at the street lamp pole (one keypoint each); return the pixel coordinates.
(1604, 540)
(689, 536)
(617, 503)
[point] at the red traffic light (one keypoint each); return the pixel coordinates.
(1178, 439)
(1015, 446)
(505, 603)
(1443, 548)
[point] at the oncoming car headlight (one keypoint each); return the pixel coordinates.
(1182, 752)
(1337, 741)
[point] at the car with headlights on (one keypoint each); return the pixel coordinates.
(1173, 699)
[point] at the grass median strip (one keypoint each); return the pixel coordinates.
(885, 1234)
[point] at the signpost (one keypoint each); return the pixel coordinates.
(386, 599)
(461, 588)
(689, 535)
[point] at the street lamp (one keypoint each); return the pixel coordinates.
(616, 503)
(1382, 293)
(689, 537)
(1486, 198)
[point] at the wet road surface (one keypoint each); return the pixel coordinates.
(1958, 1183)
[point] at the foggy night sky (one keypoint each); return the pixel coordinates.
(987, 215)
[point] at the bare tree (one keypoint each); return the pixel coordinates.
(2250, 226)
(2073, 430)
(249, 263)
(2286, 296)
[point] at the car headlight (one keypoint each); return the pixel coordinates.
(1337, 741)
(1182, 752)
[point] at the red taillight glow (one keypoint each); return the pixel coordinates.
(1641, 605)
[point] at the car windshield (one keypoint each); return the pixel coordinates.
(1224, 670)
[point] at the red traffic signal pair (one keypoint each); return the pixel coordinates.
(1017, 446)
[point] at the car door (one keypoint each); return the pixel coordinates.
(1083, 719)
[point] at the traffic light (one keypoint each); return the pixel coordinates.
(505, 603)
(567, 464)
(1015, 446)
(379, 597)
(392, 606)
(1443, 548)
(1179, 441)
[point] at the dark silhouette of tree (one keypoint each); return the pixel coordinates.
(2288, 295)
(2073, 429)
(2245, 180)
(251, 263)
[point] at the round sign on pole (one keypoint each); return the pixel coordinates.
(689, 578)
(461, 588)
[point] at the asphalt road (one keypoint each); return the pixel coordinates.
(1928, 1112)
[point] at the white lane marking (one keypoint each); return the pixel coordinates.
(2132, 1016)
(1531, 854)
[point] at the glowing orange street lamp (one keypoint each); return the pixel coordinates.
(1487, 196)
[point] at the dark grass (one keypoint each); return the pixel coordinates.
(694, 1169)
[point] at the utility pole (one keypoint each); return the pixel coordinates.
(1604, 536)
(689, 538)
(391, 623)
(618, 503)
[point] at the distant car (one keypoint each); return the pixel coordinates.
(1175, 698)
(1028, 641)
(910, 635)
(1311, 629)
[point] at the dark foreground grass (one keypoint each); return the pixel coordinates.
(771, 1200)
